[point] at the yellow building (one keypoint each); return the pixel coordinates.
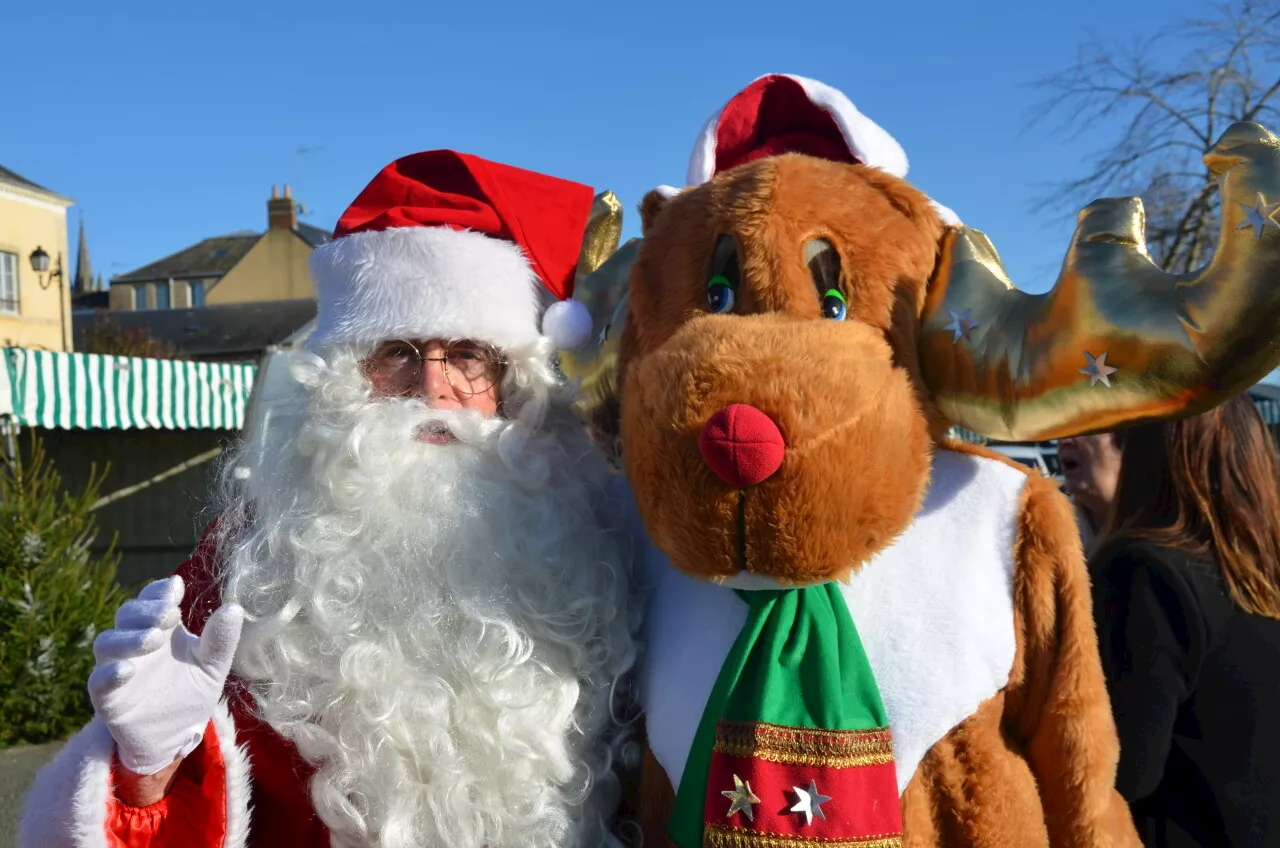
(243, 267)
(35, 308)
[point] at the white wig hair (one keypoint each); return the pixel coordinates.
(442, 631)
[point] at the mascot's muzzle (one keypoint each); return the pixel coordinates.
(742, 445)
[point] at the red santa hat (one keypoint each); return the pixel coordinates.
(784, 113)
(448, 245)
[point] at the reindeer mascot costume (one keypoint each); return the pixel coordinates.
(860, 632)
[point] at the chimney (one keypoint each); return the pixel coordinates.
(282, 212)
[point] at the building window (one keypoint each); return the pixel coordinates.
(197, 292)
(9, 282)
(162, 295)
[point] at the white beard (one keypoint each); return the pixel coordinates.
(438, 629)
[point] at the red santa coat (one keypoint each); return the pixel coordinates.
(244, 787)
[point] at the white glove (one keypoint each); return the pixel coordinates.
(155, 684)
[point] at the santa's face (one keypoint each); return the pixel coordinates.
(445, 374)
(438, 628)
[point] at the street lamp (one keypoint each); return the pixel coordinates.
(40, 264)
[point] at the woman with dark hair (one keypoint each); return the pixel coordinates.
(1187, 597)
(1091, 472)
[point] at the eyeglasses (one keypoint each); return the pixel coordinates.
(471, 368)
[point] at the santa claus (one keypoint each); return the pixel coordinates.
(407, 626)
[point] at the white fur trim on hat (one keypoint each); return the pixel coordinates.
(424, 283)
(867, 140)
(950, 218)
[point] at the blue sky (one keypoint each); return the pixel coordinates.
(169, 122)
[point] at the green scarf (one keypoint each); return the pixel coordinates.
(797, 663)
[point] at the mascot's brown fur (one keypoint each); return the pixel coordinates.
(1035, 763)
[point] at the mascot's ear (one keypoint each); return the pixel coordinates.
(653, 204)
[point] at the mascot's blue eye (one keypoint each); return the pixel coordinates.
(833, 305)
(720, 296)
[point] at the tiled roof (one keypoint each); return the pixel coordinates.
(313, 236)
(229, 331)
(212, 257)
(17, 180)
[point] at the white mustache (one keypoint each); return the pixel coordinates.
(465, 425)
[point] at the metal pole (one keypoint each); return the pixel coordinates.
(10, 437)
(64, 288)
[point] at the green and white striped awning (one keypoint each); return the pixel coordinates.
(85, 391)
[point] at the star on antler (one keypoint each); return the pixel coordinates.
(1098, 369)
(962, 325)
(1259, 216)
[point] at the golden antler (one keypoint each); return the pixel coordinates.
(604, 231)
(601, 286)
(1117, 340)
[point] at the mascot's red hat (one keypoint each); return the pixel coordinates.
(785, 113)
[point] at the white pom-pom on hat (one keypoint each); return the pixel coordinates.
(567, 323)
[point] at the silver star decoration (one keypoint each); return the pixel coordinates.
(1098, 370)
(962, 325)
(1259, 216)
(742, 798)
(810, 803)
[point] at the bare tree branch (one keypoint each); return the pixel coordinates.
(1189, 228)
(1266, 95)
(1167, 116)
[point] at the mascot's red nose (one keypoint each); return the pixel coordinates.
(742, 445)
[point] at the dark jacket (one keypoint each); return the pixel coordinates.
(1195, 687)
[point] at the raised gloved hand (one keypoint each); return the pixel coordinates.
(155, 684)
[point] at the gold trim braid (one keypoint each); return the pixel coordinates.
(801, 746)
(719, 836)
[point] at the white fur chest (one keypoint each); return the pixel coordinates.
(934, 612)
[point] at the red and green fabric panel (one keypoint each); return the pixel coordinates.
(793, 747)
